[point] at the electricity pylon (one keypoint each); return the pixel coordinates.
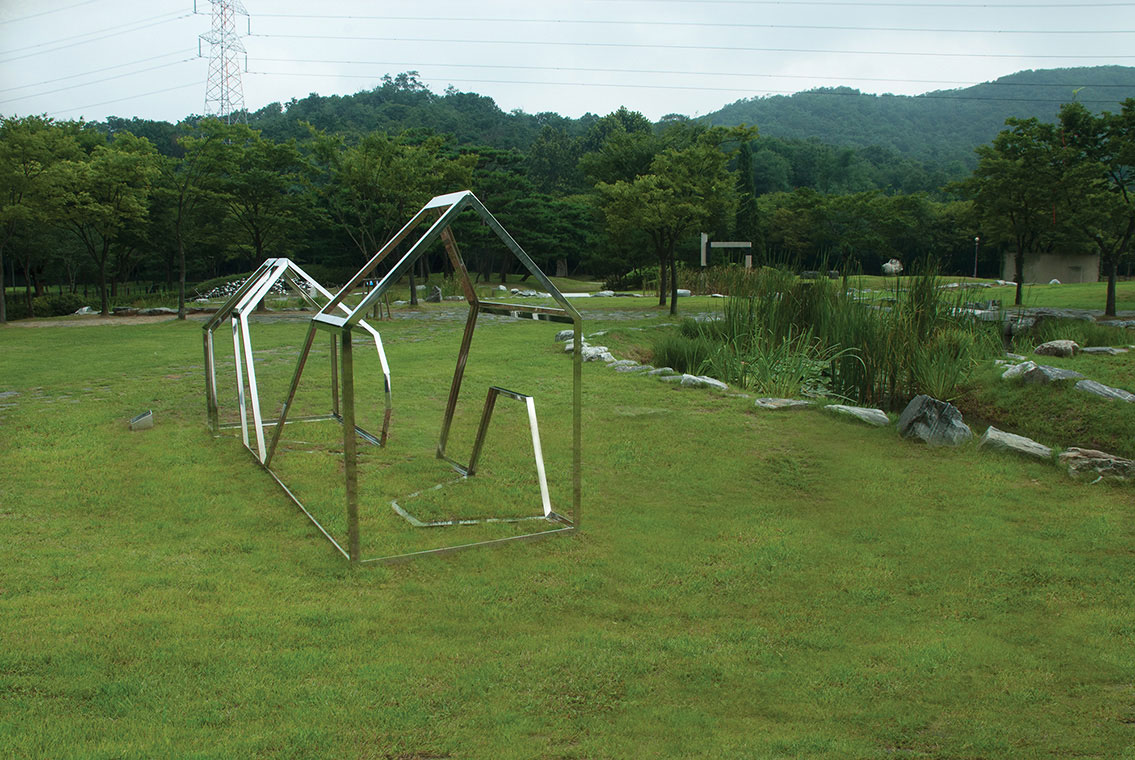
(224, 95)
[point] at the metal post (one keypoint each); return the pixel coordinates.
(458, 374)
(334, 377)
(350, 450)
(577, 422)
(211, 404)
(976, 243)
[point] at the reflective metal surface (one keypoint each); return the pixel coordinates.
(341, 320)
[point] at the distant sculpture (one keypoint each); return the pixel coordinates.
(892, 268)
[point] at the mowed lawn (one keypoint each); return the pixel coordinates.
(746, 584)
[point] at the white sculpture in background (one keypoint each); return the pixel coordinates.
(892, 268)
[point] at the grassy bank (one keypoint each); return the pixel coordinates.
(746, 585)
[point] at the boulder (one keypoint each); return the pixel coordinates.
(683, 293)
(1017, 370)
(563, 335)
(876, 417)
(1105, 391)
(624, 363)
(662, 372)
(603, 294)
(88, 310)
(434, 296)
(701, 381)
(1054, 281)
(1065, 348)
(675, 378)
(1106, 350)
(1042, 375)
(1090, 463)
(597, 353)
(999, 440)
(934, 422)
(633, 368)
(776, 404)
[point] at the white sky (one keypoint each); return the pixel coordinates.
(94, 58)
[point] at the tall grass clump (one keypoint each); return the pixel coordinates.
(789, 336)
(1084, 332)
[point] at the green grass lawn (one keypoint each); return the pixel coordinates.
(746, 584)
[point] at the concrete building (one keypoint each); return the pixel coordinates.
(1045, 267)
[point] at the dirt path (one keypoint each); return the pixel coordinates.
(95, 320)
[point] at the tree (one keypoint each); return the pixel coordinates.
(685, 190)
(374, 185)
(1099, 181)
(29, 149)
(185, 183)
(103, 197)
(262, 185)
(1016, 189)
(747, 224)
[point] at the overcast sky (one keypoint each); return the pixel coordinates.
(94, 58)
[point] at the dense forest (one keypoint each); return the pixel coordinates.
(325, 180)
(942, 127)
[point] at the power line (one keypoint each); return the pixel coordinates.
(93, 71)
(621, 85)
(99, 31)
(986, 6)
(824, 77)
(128, 97)
(702, 24)
(95, 39)
(99, 81)
(47, 13)
(562, 43)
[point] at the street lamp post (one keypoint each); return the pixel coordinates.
(976, 243)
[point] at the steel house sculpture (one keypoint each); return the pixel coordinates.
(237, 309)
(341, 322)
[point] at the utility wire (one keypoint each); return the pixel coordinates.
(563, 43)
(93, 39)
(986, 6)
(99, 81)
(702, 24)
(93, 71)
(47, 13)
(823, 77)
(128, 97)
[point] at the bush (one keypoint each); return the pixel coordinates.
(50, 305)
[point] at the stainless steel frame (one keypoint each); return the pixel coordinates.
(237, 309)
(340, 320)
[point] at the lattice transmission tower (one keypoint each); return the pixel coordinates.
(224, 95)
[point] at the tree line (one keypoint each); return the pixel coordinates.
(120, 201)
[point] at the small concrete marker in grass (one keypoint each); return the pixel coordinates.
(876, 417)
(143, 421)
(999, 440)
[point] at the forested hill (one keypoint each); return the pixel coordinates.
(940, 127)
